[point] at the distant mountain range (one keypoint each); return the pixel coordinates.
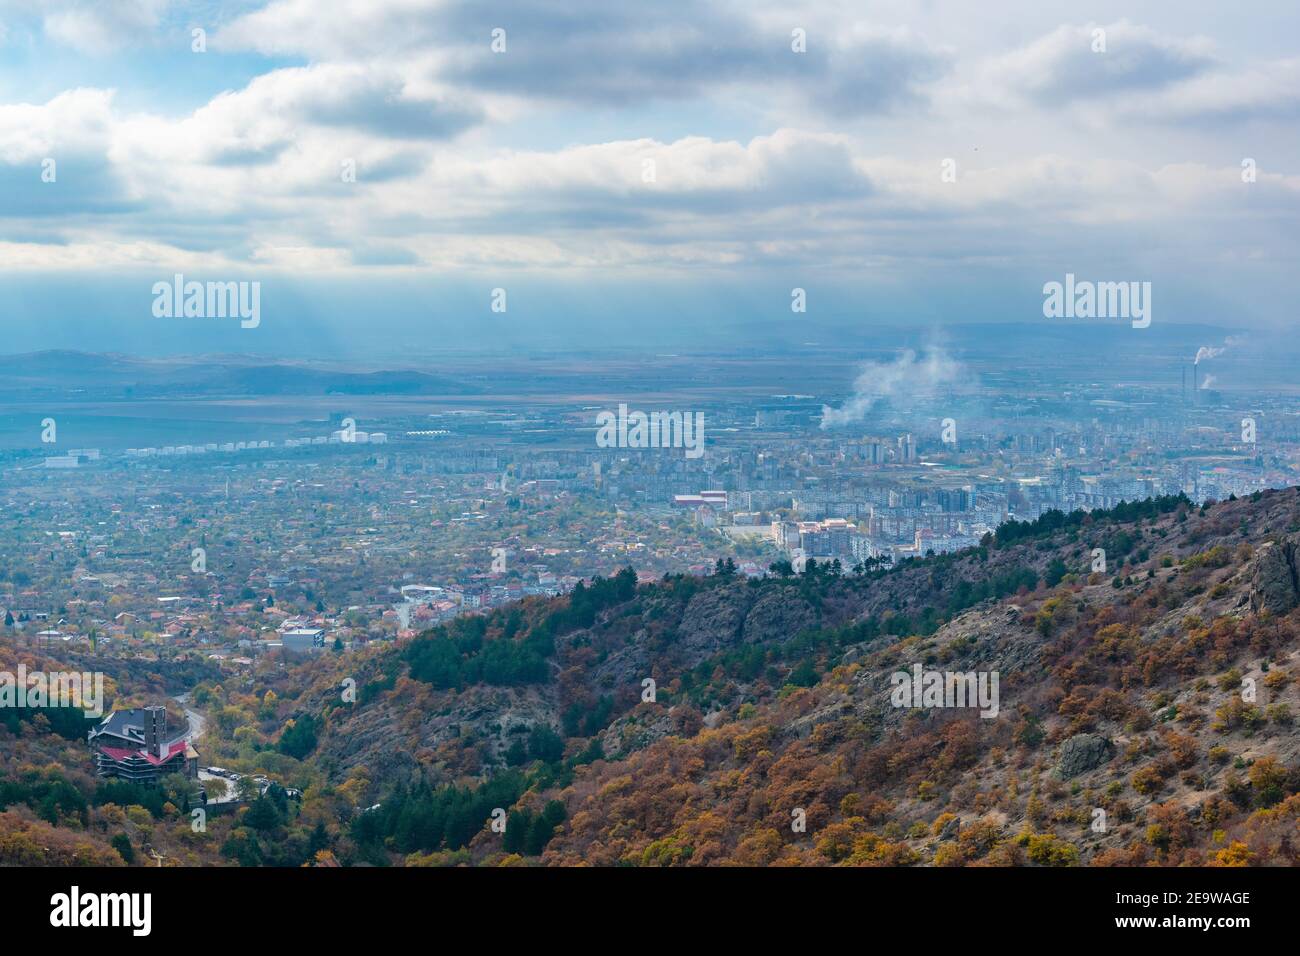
(86, 375)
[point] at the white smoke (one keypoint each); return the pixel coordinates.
(907, 377)
(1206, 352)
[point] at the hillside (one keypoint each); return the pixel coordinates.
(1119, 692)
(1144, 715)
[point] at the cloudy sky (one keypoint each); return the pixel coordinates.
(625, 165)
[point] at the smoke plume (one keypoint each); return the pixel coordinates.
(908, 378)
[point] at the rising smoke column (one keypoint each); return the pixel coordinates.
(1206, 352)
(906, 378)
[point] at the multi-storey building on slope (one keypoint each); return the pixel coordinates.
(136, 745)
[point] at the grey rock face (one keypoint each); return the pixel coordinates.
(776, 616)
(712, 620)
(1275, 587)
(1081, 753)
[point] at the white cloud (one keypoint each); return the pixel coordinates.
(1269, 90)
(795, 196)
(100, 27)
(1075, 63)
(592, 52)
(79, 120)
(838, 171)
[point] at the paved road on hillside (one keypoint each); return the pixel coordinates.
(193, 716)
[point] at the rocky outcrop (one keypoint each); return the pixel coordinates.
(778, 616)
(625, 667)
(712, 621)
(1081, 753)
(649, 723)
(387, 737)
(950, 830)
(836, 710)
(630, 734)
(1275, 586)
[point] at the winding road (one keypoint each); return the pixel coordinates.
(194, 718)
